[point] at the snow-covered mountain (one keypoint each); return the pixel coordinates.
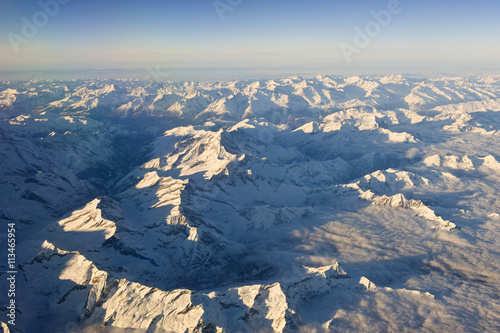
(227, 207)
(296, 97)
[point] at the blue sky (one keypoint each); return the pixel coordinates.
(255, 37)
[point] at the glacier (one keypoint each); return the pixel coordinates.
(325, 204)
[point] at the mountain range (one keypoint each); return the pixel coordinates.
(344, 204)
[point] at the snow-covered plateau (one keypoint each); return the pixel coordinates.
(327, 204)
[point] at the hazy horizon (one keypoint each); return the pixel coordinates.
(216, 74)
(224, 40)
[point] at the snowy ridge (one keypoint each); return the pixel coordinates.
(89, 219)
(394, 181)
(109, 300)
(467, 163)
(399, 201)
